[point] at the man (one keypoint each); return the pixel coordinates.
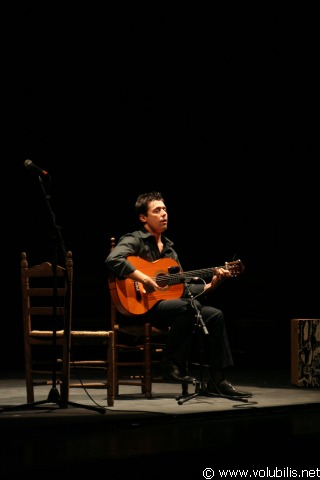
(149, 244)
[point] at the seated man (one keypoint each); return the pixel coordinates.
(150, 244)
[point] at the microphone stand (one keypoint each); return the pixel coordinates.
(54, 395)
(199, 325)
(201, 330)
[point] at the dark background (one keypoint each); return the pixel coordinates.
(216, 109)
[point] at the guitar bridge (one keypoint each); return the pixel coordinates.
(137, 290)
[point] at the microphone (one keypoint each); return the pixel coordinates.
(34, 168)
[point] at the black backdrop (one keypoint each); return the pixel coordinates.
(217, 110)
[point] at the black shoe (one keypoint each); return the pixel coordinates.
(173, 373)
(226, 389)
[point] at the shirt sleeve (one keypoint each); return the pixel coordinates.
(117, 261)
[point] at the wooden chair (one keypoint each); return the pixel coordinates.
(50, 342)
(138, 348)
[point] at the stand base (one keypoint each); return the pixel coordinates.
(201, 390)
(53, 398)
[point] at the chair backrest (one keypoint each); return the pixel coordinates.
(46, 290)
(113, 310)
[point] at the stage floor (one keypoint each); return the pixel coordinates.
(279, 425)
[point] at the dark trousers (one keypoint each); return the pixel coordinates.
(180, 315)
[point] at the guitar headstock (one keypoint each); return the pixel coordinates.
(235, 268)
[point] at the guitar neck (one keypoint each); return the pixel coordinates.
(235, 268)
(204, 274)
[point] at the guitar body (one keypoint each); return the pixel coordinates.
(128, 296)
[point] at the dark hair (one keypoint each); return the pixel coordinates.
(142, 202)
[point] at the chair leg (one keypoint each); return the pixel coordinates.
(29, 376)
(65, 384)
(111, 377)
(147, 358)
(185, 390)
(116, 372)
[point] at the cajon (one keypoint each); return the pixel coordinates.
(305, 352)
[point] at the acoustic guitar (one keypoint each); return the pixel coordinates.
(130, 298)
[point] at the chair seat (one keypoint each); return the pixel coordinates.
(90, 334)
(74, 333)
(139, 330)
(46, 333)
